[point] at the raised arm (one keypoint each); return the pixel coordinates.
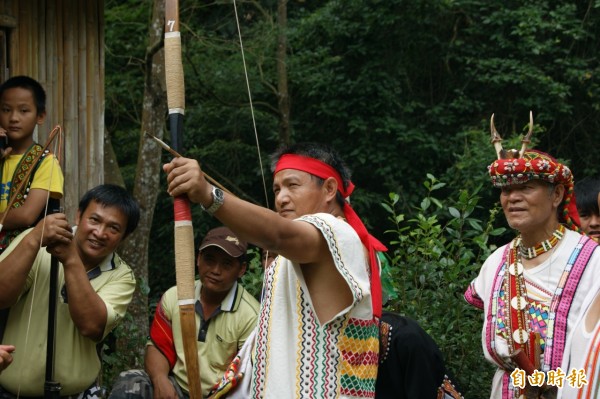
(296, 240)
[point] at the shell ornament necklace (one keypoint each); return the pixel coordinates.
(542, 247)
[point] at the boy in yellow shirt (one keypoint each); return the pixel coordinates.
(22, 108)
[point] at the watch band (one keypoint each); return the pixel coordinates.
(218, 197)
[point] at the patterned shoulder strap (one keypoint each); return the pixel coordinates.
(28, 161)
(579, 260)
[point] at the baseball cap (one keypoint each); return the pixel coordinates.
(224, 238)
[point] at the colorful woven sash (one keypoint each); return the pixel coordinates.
(25, 164)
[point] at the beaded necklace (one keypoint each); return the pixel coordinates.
(542, 247)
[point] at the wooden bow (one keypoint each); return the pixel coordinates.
(184, 234)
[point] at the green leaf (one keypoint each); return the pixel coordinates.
(425, 203)
(454, 212)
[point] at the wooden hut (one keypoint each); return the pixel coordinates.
(61, 44)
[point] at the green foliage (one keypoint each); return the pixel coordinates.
(252, 280)
(514, 56)
(361, 85)
(125, 45)
(434, 256)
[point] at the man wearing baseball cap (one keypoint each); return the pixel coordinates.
(225, 313)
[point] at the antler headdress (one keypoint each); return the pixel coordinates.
(497, 141)
(518, 167)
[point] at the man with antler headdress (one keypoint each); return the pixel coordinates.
(318, 330)
(532, 289)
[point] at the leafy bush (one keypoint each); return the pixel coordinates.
(433, 258)
(252, 280)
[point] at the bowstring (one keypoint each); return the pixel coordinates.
(58, 152)
(262, 172)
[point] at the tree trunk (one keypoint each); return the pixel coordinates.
(112, 173)
(146, 188)
(283, 95)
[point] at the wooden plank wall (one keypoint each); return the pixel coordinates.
(61, 44)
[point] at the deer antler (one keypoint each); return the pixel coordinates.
(496, 139)
(527, 138)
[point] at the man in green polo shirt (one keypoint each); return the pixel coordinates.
(225, 313)
(94, 288)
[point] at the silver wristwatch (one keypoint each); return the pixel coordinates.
(218, 198)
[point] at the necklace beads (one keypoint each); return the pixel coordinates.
(542, 247)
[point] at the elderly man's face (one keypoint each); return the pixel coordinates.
(531, 206)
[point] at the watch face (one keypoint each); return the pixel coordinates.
(219, 195)
(218, 198)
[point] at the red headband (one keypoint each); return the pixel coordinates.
(324, 171)
(314, 167)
